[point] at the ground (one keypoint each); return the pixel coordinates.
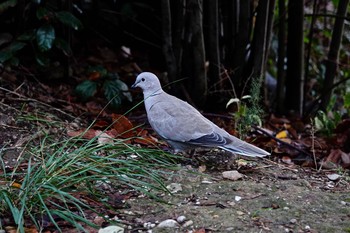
(270, 196)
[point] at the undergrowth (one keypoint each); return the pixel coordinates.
(51, 179)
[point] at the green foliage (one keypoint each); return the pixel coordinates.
(248, 110)
(41, 31)
(114, 90)
(326, 124)
(51, 179)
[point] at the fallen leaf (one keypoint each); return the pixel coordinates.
(282, 134)
(122, 125)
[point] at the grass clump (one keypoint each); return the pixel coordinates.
(50, 180)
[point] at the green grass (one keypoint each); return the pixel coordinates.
(50, 177)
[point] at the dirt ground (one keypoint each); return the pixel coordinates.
(270, 197)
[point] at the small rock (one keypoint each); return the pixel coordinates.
(307, 227)
(181, 219)
(188, 223)
(111, 229)
(240, 213)
(343, 202)
(168, 223)
(232, 175)
(238, 198)
(333, 177)
(174, 187)
(149, 225)
(293, 221)
(207, 182)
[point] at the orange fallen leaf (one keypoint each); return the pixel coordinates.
(94, 75)
(122, 125)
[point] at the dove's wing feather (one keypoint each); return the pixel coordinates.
(175, 119)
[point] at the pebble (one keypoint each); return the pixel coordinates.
(293, 221)
(333, 177)
(168, 223)
(111, 229)
(174, 187)
(238, 198)
(232, 175)
(188, 223)
(149, 225)
(181, 219)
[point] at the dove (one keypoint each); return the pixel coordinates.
(182, 126)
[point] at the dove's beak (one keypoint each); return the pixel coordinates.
(135, 84)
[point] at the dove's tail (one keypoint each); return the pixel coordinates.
(246, 149)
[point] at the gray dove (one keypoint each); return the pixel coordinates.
(182, 126)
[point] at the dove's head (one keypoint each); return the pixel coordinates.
(148, 82)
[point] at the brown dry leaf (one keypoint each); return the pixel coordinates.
(202, 230)
(146, 140)
(334, 156)
(87, 134)
(94, 107)
(122, 125)
(13, 229)
(293, 132)
(94, 75)
(278, 120)
(101, 124)
(287, 160)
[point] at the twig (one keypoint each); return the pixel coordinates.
(38, 101)
(280, 141)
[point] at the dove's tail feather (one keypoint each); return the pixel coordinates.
(245, 149)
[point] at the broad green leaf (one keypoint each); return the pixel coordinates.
(41, 12)
(63, 45)
(5, 55)
(14, 61)
(7, 4)
(347, 100)
(16, 45)
(69, 19)
(124, 90)
(45, 37)
(112, 93)
(42, 59)
(30, 35)
(86, 89)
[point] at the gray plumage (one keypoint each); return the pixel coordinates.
(182, 126)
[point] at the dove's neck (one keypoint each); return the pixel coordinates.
(151, 93)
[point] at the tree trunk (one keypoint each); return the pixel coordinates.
(260, 43)
(167, 43)
(199, 79)
(281, 79)
(295, 55)
(333, 55)
(213, 43)
(241, 39)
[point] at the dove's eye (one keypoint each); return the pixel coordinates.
(143, 79)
